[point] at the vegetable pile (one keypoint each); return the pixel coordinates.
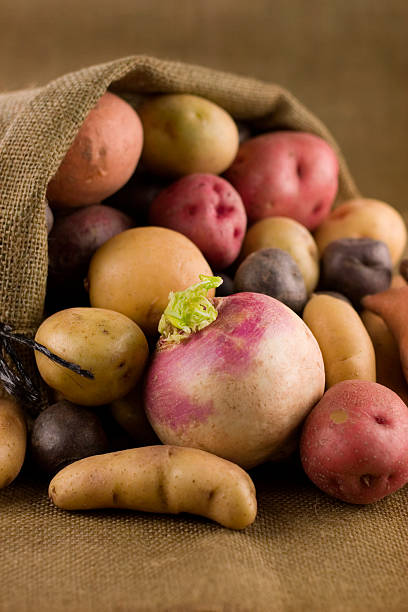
(209, 309)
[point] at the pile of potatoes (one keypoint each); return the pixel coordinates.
(145, 201)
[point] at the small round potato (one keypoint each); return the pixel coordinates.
(354, 442)
(108, 344)
(135, 271)
(286, 173)
(102, 157)
(74, 239)
(13, 438)
(364, 218)
(275, 273)
(64, 433)
(356, 267)
(289, 235)
(184, 134)
(206, 209)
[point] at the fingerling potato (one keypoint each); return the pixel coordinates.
(165, 479)
(347, 349)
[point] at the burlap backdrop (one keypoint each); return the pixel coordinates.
(304, 552)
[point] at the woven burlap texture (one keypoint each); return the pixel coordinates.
(304, 551)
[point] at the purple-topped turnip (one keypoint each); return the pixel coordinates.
(234, 375)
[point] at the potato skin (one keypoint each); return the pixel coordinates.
(206, 209)
(364, 217)
(347, 350)
(184, 134)
(102, 157)
(275, 273)
(286, 173)
(13, 441)
(135, 271)
(160, 478)
(107, 343)
(289, 235)
(75, 237)
(354, 443)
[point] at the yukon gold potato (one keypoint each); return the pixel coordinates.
(135, 271)
(290, 236)
(364, 218)
(348, 352)
(106, 343)
(13, 440)
(184, 134)
(159, 478)
(102, 157)
(387, 356)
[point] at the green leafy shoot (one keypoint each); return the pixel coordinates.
(189, 311)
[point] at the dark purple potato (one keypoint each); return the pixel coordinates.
(356, 267)
(227, 287)
(74, 239)
(64, 433)
(275, 273)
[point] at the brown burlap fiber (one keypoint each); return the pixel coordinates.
(304, 552)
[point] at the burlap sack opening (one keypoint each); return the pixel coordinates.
(305, 552)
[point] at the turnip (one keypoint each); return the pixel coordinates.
(234, 375)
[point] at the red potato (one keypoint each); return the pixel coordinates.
(290, 174)
(354, 443)
(206, 209)
(239, 387)
(102, 157)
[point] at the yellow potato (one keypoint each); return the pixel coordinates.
(134, 272)
(387, 356)
(364, 218)
(160, 478)
(290, 236)
(347, 350)
(13, 440)
(107, 343)
(184, 134)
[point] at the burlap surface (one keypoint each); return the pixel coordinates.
(304, 552)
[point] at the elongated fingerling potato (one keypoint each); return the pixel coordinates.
(347, 349)
(13, 440)
(162, 478)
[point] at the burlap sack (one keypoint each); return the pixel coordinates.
(304, 552)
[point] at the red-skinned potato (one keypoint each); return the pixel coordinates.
(102, 157)
(354, 443)
(208, 210)
(290, 174)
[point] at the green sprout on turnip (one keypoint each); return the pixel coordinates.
(189, 311)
